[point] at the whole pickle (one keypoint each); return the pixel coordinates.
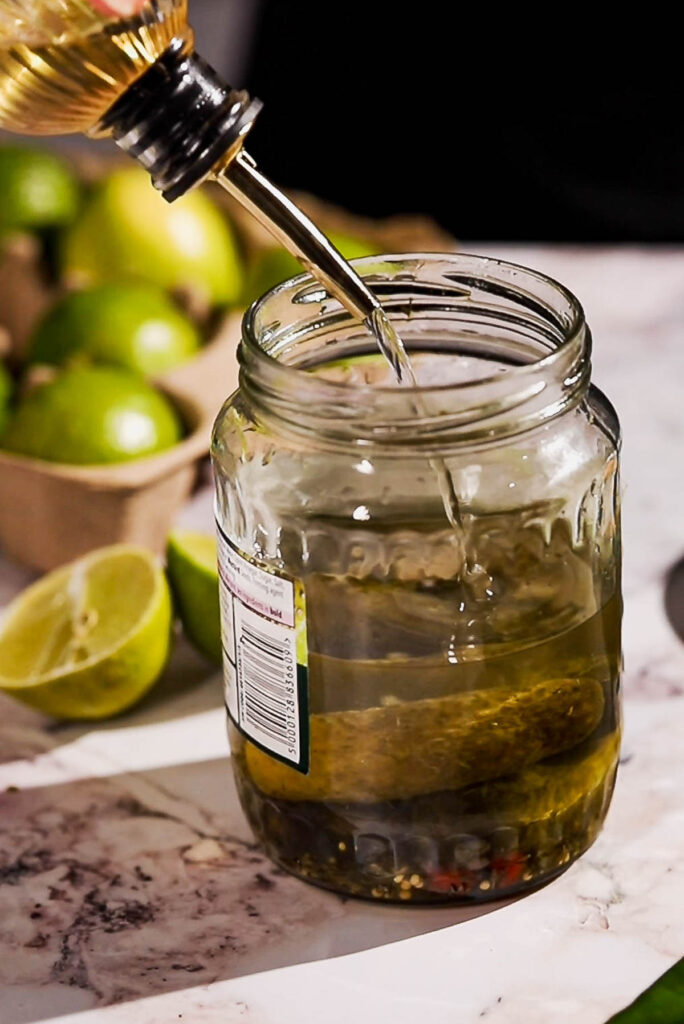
(543, 791)
(427, 746)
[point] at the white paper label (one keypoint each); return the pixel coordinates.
(263, 630)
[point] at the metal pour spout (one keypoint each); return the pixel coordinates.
(184, 124)
(296, 232)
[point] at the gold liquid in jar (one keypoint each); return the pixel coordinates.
(464, 772)
(463, 689)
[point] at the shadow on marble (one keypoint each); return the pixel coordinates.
(118, 888)
(135, 884)
(674, 597)
(189, 685)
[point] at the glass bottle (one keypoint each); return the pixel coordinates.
(413, 717)
(74, 66)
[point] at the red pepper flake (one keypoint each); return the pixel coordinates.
(509, 868)
(451, 881)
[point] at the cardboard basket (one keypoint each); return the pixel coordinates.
(51, 513)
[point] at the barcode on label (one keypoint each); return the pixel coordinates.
(263, 628)
(267, 670)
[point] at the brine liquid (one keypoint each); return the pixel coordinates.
(63, 63)
(463, 745)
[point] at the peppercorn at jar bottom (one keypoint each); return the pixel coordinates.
(436, 777)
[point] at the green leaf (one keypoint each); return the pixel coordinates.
(662, 1003)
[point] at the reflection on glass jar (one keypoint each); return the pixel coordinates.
(459, 718)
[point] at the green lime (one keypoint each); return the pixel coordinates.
(128, 231)
(38, 190)
(92, 415)
(191, 565)
(125, 324)
(5, 395)
(272, 266)
(89, 639)
(352, 248)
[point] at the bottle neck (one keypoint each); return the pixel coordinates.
(179, 120)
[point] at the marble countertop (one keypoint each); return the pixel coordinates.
(131, 890)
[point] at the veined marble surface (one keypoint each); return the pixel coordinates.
(128, 875)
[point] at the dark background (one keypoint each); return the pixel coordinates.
(501, 128)
(516, 124)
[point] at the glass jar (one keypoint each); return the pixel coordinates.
(421, 586)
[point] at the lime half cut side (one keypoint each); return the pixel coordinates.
(89, 639)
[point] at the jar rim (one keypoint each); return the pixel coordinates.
(296, 284)
(540, 308)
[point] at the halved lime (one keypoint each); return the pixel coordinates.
(191, 563)
(89, 639)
